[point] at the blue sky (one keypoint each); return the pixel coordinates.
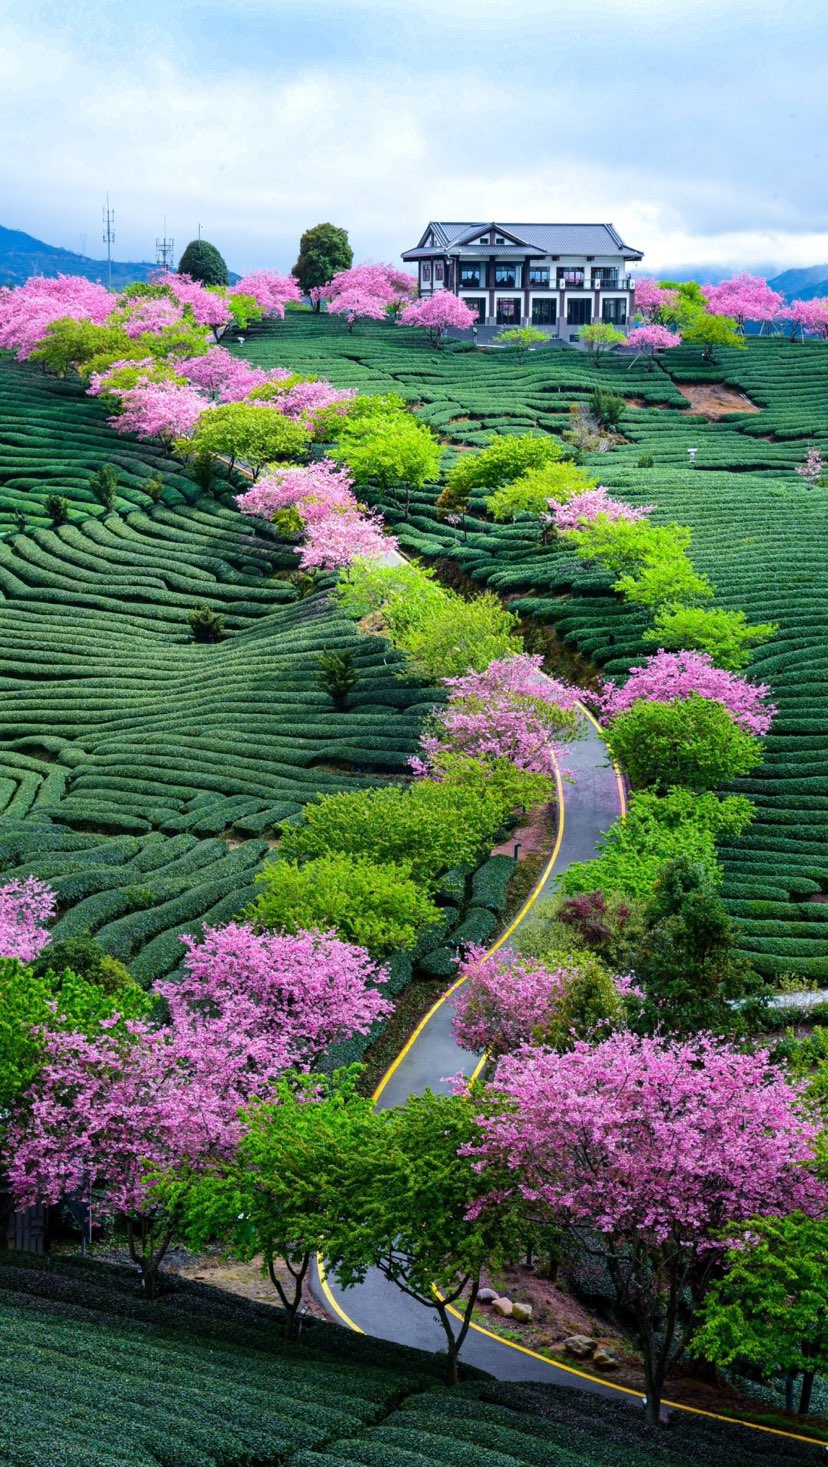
(697, 128)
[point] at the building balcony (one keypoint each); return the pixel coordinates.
(611, 282)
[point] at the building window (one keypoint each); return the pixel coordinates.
(476, 303)
(471, 277)
(615, 312)
(544, 313)
(438, 272)
(499, 239)
(426, 269)
(570, 278)
(605, 279)
(539, 275)
(507, 276)
(508, 311)
(579, 312)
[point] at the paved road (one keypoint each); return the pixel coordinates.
(591, 803)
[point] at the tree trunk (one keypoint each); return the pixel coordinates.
(290, 1302)
(805, 1393)
(789, 1391)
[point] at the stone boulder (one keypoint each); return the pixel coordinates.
(581, 1346)
(486, 1296)
(503, 1307)
(521, 1312)
(605, 1359)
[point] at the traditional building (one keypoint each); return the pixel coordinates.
(560, 277)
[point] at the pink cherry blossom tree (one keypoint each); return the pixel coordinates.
(27, 311)
(323, 483)
(205, 307)
(650, 297)
(165, 410)
(806, 318)
(271, 291)
(508, 711)
(644, 1150)
(650, 339)
(813, 468)
(334, 540)
(225, 377)
(583, 508)
(25, 908)
(366, 291)
(745, 298)
(150, 314)
(438, 313)
(507, 1000)
(667, 676)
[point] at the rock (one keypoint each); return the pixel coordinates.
(486, 1296)
(503, 1306)
(521, 1312)
(581, 1346)
(604, 1359)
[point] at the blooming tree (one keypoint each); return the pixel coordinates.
(271, 291)
(652, 338)
(27, 311)
(508, 711)
(745, 298)
(225, 377)
(650, 297)
(323, 482)
(813, 468)
(667, 676)
(165, 410)
(25, 908)
(334, 540)
(652, 1147)
(204, 306)
(365, 291)
(437, 313)
(808, 317)
(150, 314)
(583, 508)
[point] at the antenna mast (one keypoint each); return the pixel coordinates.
(108, 237)
(164, 249)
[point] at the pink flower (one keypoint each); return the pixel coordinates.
(583, 508)
(667, 676)
(27, 311)
(271, 292)
(651, 339)
(437, 313)
(746, 298)
(25, 907)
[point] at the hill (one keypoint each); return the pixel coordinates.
(94, 1376)
(21, 255)
(759, 533)
(805, 285)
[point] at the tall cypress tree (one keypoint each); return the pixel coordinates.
(203, 262)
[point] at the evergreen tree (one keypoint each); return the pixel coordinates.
(323, 251)
(204, 263)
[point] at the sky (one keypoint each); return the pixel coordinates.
(697, 127)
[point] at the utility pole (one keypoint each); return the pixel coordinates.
(199, 231)
(108, 237)
(164, 249)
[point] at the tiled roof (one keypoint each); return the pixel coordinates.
(547, 239)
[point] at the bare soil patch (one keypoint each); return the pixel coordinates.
(714, 400)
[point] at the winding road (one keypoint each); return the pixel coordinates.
(586, 808)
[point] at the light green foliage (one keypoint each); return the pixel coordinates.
(664, 583)
(600, 337)
(376, 904)
(531, 493)
(725, 635)
(503, 460)
(659, 828)
(388, 450)
(69, 345)
(710, 332)
(651, 561)
(430, 826)
(26, 1001)
(278, 1197)
(520, 338)
(690, 741)
(405, 595)
(250, 435)
(770, 1310)
(590, 1006)
(243, 308)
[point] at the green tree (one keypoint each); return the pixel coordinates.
(57, 508)
(245, 434)
(104, 485)
(504, 459)
(461, 635)
(324, 250)
(519, 339)
(770, 1310)
(532, 491)
(206, 625)
(389, 451)
(337, 676)
(686, 958)
(405, 1195)
(203, 262)
(690, 741)
(606, 407)
(725, 635)
(277, 1198)
(375, 904)
(601, 337)
(711, 332)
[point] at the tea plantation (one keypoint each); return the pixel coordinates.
(142, 773)
(94, 1376)
(758, 532)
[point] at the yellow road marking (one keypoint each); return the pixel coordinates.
(326, 1290)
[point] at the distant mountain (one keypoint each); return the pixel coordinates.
(21, 255)
(805, 285)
